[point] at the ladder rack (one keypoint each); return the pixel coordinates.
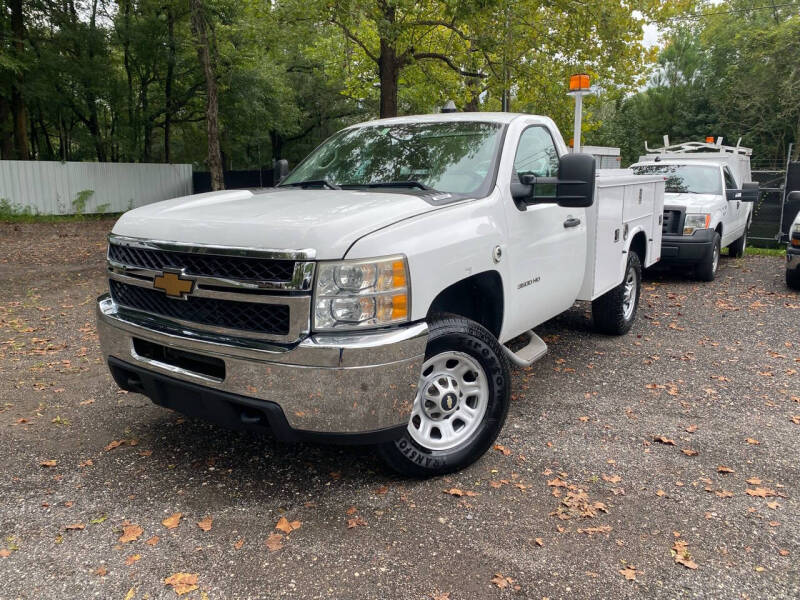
(687, 147)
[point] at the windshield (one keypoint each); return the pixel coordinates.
(694, 179)
(449, 156)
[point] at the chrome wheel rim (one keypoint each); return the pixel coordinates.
(715, 259)
(451, 401)
(629, 294)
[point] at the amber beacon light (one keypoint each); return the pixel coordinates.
(579, 86)
(579, 83)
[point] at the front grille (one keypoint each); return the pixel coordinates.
(672, 222)
(208, 265)
(272, 319)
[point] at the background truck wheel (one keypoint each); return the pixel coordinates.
(736, 249)
(614, 311)
(707, 270)
(793, 278)
(461, 404)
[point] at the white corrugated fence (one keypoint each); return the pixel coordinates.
(62, 188)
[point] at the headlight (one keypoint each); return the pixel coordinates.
(796, 228)
(694, 222)
(364, 293)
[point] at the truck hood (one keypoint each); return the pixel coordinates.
(694, 203)
(327, 221)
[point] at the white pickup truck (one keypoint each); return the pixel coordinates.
(708, 202)
(369, 297)
(793, 249)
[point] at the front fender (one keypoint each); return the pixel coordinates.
(442, 247)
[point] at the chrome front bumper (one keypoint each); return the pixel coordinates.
(328, 384)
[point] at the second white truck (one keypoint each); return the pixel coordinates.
(708, 202)
(370, 297)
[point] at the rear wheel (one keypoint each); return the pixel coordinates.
(793, 278)
(736, 249)
(615, 311)
(707, 270)
(461, 402)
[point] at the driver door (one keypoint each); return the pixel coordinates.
(546, 243)
(737, 210)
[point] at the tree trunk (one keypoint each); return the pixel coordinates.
(18, 109)
(6, 135)
(389, 74)
(126, 43)
(168, 108)
(212, 109)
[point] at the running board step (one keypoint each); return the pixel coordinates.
(530, 353)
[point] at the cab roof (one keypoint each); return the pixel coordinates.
(484, 117)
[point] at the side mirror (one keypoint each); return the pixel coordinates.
(574, 187)
(793, 197)
(280, 171)
(748, 193)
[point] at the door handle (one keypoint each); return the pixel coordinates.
(571, 223)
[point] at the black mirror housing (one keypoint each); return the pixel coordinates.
(750, 192)
(574, 185)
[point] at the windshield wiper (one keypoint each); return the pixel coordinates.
(394, 184)
(313, 182)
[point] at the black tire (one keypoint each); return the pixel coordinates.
(736, 249)
(793, 278)
(707, 270)
(610, 312)
(450, 333)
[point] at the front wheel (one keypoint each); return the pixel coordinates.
(461, 402)
(793, 278)
(615, 311)
(737, 248)
(707, 270)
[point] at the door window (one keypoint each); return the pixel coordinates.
(730, 182)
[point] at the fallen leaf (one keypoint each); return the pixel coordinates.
(611, 478)
(795, 419)
(5, 553)
(238, 545)
(48, 463)
(539, 541)
(752, 441)
(205, 524)
(691, 428)
(503, 449)
(182, 583)
(153, 540)
(459, 492)
(130, 533)
(502, 582)
(131, 593)
(382, 490)
(689, 452)
(172, 521)
(101, 571)
(351, 511)
(274, 542)
(773, 505)
(723, 494)
(629, 573)
(356, 522)
(761, 492)
(664, 440)
(783, 552)
(754, 481)
(75, 527)
(132, 559)
(287, 527)
(114, 444)
(724, 469)
(682, 556)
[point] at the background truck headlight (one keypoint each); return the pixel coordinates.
(694, 222)
(361, 293)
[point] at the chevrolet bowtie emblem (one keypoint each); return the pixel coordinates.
(173, 285)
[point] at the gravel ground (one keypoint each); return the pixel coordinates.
(578, 500)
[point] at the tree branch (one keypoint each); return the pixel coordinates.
(351, 36)
(449, 63)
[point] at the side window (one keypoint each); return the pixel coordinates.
(536, 154)
(730, 182)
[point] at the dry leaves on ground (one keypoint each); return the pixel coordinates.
(205, 524)
(459, 492)
(502, 582)
(724, 469)
(664, 440)
(48, 463)
(629, 573)
(356, 522)
(182, 583)
(761, 492)
(287, 526)
(130, 533)
(274, 542)
(171, 522)
(75, 527)
(680, 551)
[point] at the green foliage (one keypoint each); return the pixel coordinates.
(79, 204)
(730, 74)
